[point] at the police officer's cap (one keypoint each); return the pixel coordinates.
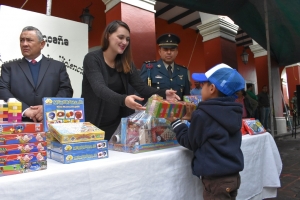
(168, 40)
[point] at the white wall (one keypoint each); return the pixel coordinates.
(71, 51)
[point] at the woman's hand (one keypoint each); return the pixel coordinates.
(172, 96)
(189, 111)
(130, 102)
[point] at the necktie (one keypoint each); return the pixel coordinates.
(170, 71)
(33, 61)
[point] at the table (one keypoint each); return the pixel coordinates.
(161, 174)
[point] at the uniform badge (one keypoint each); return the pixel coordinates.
(180, 76)
(149, 65)
(158, 65)
(158, 76)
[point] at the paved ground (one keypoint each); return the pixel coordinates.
(289, 148)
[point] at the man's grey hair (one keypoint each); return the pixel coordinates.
(37, 31)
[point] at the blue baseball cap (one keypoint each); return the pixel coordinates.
(226, 79)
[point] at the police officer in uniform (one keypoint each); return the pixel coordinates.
(164, 73)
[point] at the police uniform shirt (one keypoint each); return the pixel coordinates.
(161, 79)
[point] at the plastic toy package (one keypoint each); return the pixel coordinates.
(195, 99)
(254, 127)
(142, 132)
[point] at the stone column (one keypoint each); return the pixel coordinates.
(261, 64)
(219, 43)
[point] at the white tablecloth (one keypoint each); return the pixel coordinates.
(162, 174)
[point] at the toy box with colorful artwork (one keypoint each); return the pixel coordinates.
(62, 110)
(79, 146)
(22, 148)
(73, 157)
(23, 168)
(22, 138)
(141, 132)
(22, 158)
(76, 132)
(195, 99)
(21, 127)
(254, 127)
(161, 108)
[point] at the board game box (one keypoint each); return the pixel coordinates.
(62, 110)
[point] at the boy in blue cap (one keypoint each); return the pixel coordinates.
(214, 134)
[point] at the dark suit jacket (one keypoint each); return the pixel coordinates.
(160, 78)
(96, 94)
(16, 82)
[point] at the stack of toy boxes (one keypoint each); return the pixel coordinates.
(3, 111)
(14, 110)
(61, 110)
(22, 148)
(77, 142)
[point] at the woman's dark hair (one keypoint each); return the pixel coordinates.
(122, 61)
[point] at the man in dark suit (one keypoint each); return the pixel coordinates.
(33, 77)
(165, 73)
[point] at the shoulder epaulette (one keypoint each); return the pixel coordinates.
(146, 62)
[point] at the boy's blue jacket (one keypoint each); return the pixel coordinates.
(214, 136)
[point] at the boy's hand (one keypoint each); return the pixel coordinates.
(171, 118)
(189, 110)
